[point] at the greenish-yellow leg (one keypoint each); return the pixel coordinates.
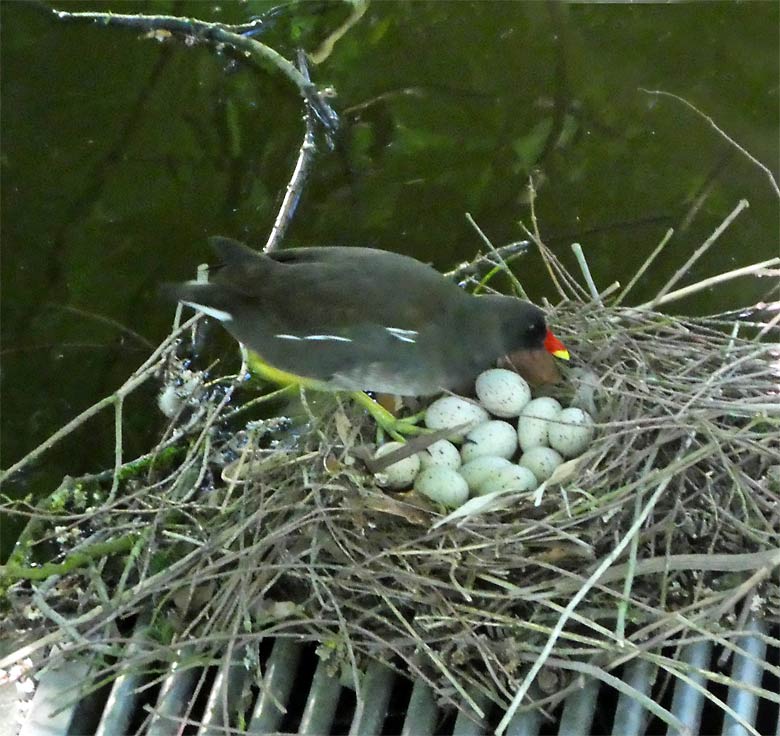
(396, 428)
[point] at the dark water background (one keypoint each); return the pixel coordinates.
(121, 155)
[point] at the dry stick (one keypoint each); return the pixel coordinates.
(300, 173)
(197, 29)
(294, 187)
(577, 291)
(711, 281)
(119, 400)
(536, 236)
(623, 603)
(495, 252)
(580, 595)
(220, 34)
(700, 251)
(749, 156)
(504, 251)
(638, 275)
(769, 326)
(614, 286)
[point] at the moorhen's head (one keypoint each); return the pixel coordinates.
(522, 326)
(524, 341)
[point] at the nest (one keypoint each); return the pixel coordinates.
(237, 528)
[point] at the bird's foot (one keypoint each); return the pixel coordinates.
(387, 421)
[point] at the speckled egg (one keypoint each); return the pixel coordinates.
(572, 432)
(533, 426)
(541, 461)
(452, 411)
(494, 437)
(503, 393)
(442, 485)
(476, 472)
(440, 452)
(399, 474)
(509, 478)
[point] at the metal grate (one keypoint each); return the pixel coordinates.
(299, 696)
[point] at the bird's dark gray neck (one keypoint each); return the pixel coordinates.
(485, 317)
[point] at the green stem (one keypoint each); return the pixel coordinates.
(13, 571)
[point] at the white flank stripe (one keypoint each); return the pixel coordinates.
(402, 335)
(219, 314)
(324, 338)
(333, 338)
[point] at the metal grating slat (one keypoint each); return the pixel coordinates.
(630, 714)
(747, 669)
(466, 725)
(321, 704)
(121, 706)
(277, 685)
(422, 713)
(370, 714)
(579, 708)
(687, 702)
(123, 700)
(173, 699)
(54, 687)
(225, 696)
(525, 724)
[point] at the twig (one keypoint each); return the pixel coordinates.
(623, 603)
(769, 326)
(197, 29)
(673, 296)
(708, 187)
(297, 180)
(748, 155)
(700, 251)
(118, 444)
(501, 261)
(536, 236)
(505, 252)
(638, 275)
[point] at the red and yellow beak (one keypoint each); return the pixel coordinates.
(555, 347)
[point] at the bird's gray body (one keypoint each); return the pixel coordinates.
(357, 318)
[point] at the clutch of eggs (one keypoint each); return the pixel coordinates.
(508, 441)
